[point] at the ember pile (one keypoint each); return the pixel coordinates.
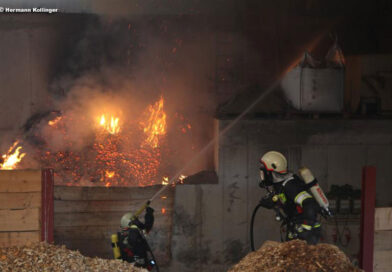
(46, 257)
(295, 256)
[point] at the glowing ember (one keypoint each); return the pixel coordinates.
(119, 151)
(111, 126)
(54, 121)
(109, 174)
(165, 181)
(13, 157)
(163, 210)
(155, 125)
(181, 179)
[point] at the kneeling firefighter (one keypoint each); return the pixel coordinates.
(130, 243)
(297, 200)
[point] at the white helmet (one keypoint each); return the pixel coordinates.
(274, 161)
(125, 219)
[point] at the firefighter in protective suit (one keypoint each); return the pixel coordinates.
(291, 194)
(132, 242)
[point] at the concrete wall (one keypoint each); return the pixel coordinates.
(211, 222)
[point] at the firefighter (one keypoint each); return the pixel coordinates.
(132, 242)
(293, 195)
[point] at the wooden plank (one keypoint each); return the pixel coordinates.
(8, 239)
(106, 205)
(20, 200)
(85, 218)
(105, 193)
(95, 240)
(84, 232)
(383, 219)
(20, 181)
(63, 234)
(383, 240)
(97, 219)
(19, 220)
(382, 261)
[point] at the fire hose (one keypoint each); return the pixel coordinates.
(279, 217)
(139, 212)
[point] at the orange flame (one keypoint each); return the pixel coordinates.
(181, 179)
(109, 174)
(165, 181)
(54, 121)
(163, 210)
(12, 158)
(156, 124)
(111, 126)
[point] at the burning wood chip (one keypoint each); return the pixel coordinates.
(46, 257)
(295, 256)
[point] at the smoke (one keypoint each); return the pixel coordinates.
(120, 67)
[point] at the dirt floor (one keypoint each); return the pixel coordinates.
(46, 257)
(295, 256)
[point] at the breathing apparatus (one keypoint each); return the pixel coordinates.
(273, 169)
(315, 189)
(126, 222)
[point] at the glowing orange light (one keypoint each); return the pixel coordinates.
(110, 125)
(163, 210)
(165, 181)
(181, 179)
(155, 125)
(163, 197)
(13, 157)
(109, 174)
(107, 184)
(54, 121)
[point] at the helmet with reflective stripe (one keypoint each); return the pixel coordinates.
(125, 220)
(274, 161)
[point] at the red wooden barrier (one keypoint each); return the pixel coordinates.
(47, 207)
(368, 203)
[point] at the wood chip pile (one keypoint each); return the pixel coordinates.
(295, 256)
(47, 257)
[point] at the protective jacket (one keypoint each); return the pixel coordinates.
(299, 206)
(132, 242)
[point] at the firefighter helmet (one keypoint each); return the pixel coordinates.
(274, 161)
(126, 219)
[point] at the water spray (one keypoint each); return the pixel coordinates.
(272, 87)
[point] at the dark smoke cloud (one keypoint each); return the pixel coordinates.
(122, 66)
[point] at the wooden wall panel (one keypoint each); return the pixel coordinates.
(8, 239)
(17, 181)
(20, 220)
(20, 206)
(383, 219)
(383, 240)
(20, 200)
(85, 218)
(382, 261)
